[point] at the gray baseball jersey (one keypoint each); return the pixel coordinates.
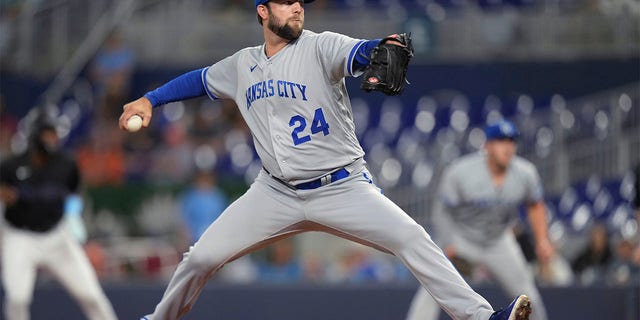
(473, 207)
(473, 216)
(315, 133)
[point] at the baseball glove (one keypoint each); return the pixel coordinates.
(387, 70)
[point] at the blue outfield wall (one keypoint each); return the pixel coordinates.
(316, 302)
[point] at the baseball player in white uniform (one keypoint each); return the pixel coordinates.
(478, 202)
(37, 188)
(291, 93)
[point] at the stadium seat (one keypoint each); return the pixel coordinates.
(625, 190)
(602, 205)
(581, 218)
(566, 203)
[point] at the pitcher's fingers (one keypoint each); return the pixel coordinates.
(126, 114)
(146, 119)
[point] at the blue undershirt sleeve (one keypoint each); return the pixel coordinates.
(361, 59)
(186, 86)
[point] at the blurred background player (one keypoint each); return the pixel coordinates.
(479, 197)
(38, 188)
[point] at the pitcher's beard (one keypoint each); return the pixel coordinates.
(284, 31)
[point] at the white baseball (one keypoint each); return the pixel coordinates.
(134, 123)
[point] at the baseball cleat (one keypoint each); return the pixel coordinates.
(519, 309)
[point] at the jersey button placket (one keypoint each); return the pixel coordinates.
(278, 142)
(267, 76)
(270, 110)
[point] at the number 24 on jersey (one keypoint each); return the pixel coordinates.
(299, 124)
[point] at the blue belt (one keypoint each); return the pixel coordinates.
(322, 181)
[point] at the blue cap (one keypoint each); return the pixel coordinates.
(501, 130)
(259, 2)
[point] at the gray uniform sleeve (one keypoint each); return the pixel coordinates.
(535, 191)
(336, 53)
(220, 79)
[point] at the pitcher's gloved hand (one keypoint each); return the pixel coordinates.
(387, 69)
